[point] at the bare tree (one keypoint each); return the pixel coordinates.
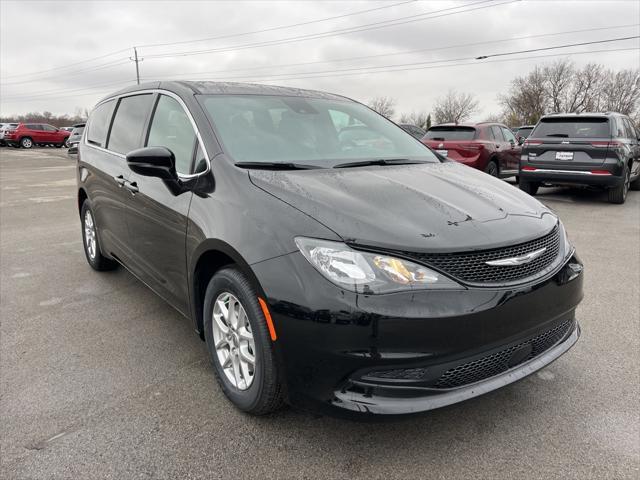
(455, 107)
(559, 76)
(527, 98)
(385, 106)
(420, 119)
(621, 91)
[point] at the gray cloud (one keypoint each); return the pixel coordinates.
(39, 35)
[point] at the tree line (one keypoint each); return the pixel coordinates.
(559, 87)
(65, 120)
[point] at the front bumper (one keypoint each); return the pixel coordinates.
(329, 340)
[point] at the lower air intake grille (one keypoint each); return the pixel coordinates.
(501, 361)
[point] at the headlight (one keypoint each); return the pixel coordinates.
(569, 249)
(370, 273)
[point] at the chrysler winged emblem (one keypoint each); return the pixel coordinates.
(522, 259)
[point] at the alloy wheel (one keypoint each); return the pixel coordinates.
(90, 235)
(233, 341)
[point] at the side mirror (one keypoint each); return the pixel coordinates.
(153, 162)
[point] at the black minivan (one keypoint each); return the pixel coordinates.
(328, 258)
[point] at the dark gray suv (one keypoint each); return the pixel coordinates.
(593, 149)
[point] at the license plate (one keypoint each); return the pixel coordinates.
(444, 153)
(564, 156)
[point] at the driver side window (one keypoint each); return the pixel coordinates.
(171, 128)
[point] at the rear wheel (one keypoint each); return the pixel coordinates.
(619, 194)
(91, 243)
(529, 187)
(239, 344)
(492, 168)
(26, 142)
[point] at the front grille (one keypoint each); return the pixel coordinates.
(471, 266)
(499, 362)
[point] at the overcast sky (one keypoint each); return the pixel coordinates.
(38, 36)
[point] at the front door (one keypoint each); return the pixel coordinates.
(158, 214)
(512, 152)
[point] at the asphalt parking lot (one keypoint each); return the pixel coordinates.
(101, 379)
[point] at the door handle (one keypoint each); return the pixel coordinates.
(132, 187)
(120, 180)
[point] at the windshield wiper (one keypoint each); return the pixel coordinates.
(563, 135)
(276, 165)
(379, 161)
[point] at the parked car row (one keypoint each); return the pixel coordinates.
(27, 135)
(588, 149)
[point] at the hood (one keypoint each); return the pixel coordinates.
(427, 207)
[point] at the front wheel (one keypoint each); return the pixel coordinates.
(239, 344)
(529, 187)
(91, 243)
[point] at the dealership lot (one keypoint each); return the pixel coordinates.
(101, 379)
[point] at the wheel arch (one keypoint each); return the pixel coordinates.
(82, 196)
(211, 256)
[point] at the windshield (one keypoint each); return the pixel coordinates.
(524, 132)
(586, 127)
(322, 132)
(450, 133)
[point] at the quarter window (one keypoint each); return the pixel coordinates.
(172, 128)
(128, 123)
(99, 123)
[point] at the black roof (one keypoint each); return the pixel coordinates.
(227, 88)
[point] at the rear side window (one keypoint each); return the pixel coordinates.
(497, 133)
(586, 127)
(172, 128)
(450, 133)
(98, 125)
(128, 123)
(631, 131)
(508, 135)
(34, 127)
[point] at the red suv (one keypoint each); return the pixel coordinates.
(26, 135)
(490, 147)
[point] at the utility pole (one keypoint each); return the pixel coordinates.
(137, 60)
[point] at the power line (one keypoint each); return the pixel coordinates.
(344, 31)
(66, 66)
(429, 67)
(94, 68)
(49, 93)
(371, 69)
(271, 29)
(482, 57)
(100, 93)
(406, 52)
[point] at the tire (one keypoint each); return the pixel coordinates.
(260, 393)
(93, 253)
(529, 187)
(492, 169)
(635, 185)
(26, 142)
(618, 194)
(59, 145)
(65, 144)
